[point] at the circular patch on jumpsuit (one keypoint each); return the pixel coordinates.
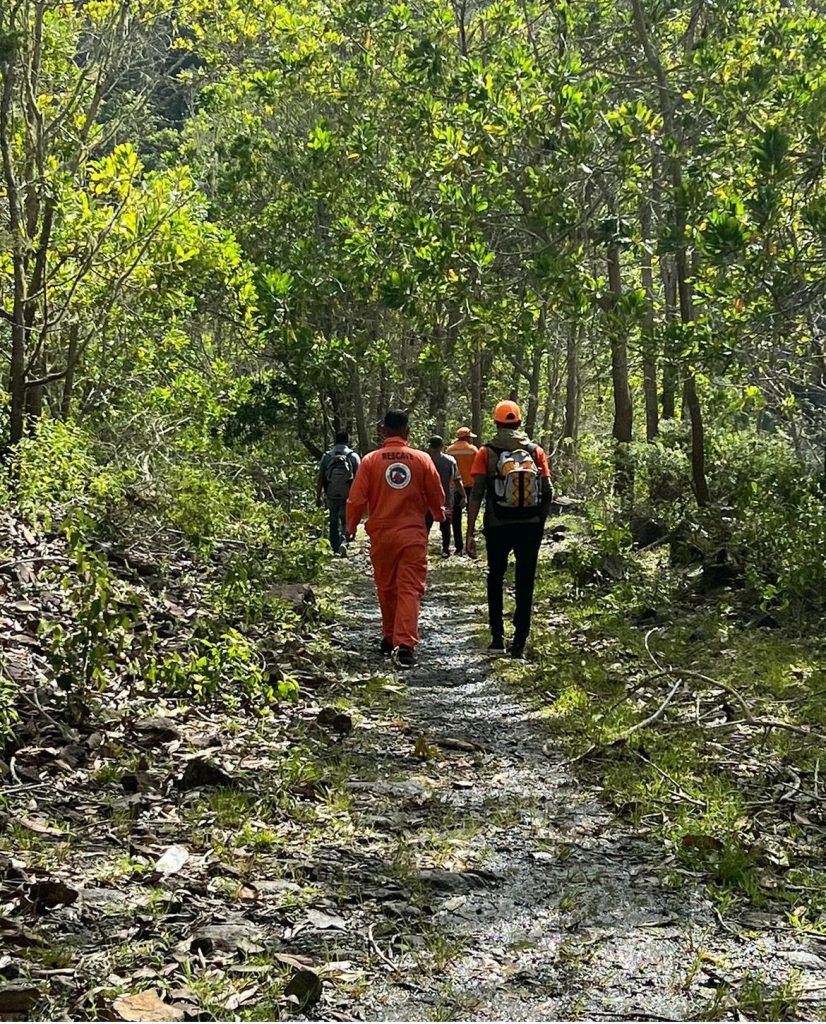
(398, 476)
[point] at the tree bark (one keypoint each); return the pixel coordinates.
(623, 410)
(358, 410)
(684, 291)
(669, 372)
(649, 342)
(536, 381)
(572, 384)
(17, 364)
(476, 420)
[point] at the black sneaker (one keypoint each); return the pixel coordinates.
(445, 552)
(497, 645)
(403, 657)
(517, 650)
(386, 647)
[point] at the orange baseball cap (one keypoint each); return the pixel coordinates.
(507, 413)
(464, 432)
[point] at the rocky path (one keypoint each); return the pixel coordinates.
(518, 894)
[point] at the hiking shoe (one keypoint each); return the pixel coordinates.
(517, 650)
(386, 647)
(403, 657)
(342, 551)
(445, 552)
(497, 645)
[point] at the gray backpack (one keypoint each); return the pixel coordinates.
(339, 475)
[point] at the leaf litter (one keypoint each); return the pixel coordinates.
(173, 859)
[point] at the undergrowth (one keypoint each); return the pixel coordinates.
(727, 772)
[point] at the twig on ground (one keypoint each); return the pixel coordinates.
(13, 770)
(681, 792)
(378, 951)
(657, 714)
(648, 648)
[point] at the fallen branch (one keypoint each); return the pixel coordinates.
(378, 951)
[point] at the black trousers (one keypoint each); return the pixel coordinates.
(456, 519)
(523, 539)
(444, 527)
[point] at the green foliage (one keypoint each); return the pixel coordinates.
(85, 658)
(8, 712)
(226, 668)
(778, 517)
(58, 470)
(210, 509)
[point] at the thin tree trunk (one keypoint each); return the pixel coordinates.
(476, 393)
(358, 409)
(533, 396)
(572, 384)
(17, 365)
(623, 411)
(649, 343)
(669, 376)
(690, 396)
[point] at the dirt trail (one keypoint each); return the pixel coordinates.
(534, 900)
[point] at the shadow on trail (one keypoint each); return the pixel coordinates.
(518, 894)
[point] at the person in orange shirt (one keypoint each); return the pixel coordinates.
(464, 452)
(512, 477)
(397, 486)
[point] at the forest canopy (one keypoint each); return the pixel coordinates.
(231, 229)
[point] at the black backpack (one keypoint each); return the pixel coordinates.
(339, 475)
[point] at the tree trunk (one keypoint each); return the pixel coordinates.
(623, 411)
(692, 402)
(69, 379)
(698, 442)
(476, 393)
(358, 410)
(649, 343)
(572, 384)
(533, 396)
(17, 365)
(669, 378)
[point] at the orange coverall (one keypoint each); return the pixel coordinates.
(397, 486)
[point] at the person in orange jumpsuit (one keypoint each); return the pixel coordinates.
(464, 451)
(397, 486)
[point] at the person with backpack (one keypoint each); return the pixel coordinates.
(512, 477)
(397, 487)
(448, 470)
(464, 452)
(336, 473)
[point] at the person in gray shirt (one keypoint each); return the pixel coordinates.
(336, 472)
(448, 470)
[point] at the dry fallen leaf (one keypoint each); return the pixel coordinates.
(41, 828)
(172, 860)
(318, 919)
(304, 989)
(146, 1005)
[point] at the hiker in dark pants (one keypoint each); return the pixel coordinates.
(511, 475)
(336, 473)
(448, 471)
